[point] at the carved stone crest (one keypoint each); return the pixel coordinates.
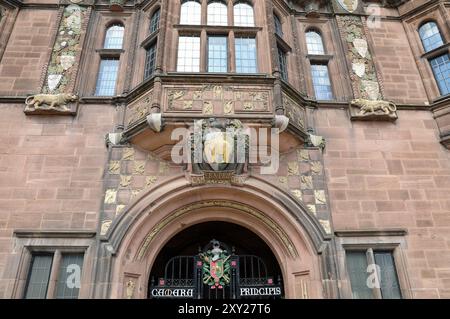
(349, 5)
(361, 47)
(219, 151)
(359, 69)
(67, 61)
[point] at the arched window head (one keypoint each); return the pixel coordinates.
(314, 43)
(430, 35)
(243, 15)
(217, 13)
(278, 26)
(154, 21)
(114, 37)
(191, 13)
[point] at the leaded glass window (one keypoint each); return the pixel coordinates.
(321, 82)
(278, 25)
(107, 76)
(430, 35)
(217, 13)
(69, 276)
(441, 70)
(154, 21)
(150, 61)
(246, 55)
(39, 276)
(243, 15)
(114, 37)
(282, 64)
(188, 54)
(217, 54)
(191, 13)
(314, 43)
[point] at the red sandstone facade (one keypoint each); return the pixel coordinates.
(380, 183)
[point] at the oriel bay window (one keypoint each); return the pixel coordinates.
(437, 53)
(208, 40)
(373, 274)
(55, 274)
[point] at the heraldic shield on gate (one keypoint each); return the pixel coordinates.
(216, 266)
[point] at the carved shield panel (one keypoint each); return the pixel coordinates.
(361, 47)
(348, 5)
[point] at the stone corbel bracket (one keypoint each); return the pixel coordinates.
(368, 110)
(155, 122)
(52, 104)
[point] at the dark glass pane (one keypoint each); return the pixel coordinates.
(430, 35)
(441, 70)
(357, 270)
(390, 288)
(69, 277)
(107, 75)
(282, 64)
(154, 21)
(278, 26)
(217, 54)
(150, 61)
(39, 276)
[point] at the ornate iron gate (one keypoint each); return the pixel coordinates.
(216, 273)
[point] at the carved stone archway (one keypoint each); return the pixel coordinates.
(303, 250)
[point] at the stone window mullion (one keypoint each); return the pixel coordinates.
(54, 274)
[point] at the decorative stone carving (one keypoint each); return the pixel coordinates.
(281, 122)
(139, 109)
(224, 150)
(361, 109)
(316, 141)
(294, 112)
(110, 196)
(62, 103)
(105, 226)
(155, 122)
(217, 99)
(365, 81)
(131, 285)
(348, 6)
(61, 72)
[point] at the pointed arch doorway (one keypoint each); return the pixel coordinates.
(216, 260)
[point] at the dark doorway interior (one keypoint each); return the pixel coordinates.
(246, 246)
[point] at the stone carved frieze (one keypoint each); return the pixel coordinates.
(295, 112)
(138, 110)
(217, 99)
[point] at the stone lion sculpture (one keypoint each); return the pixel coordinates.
(372, 107)
(53, 101)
